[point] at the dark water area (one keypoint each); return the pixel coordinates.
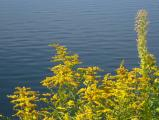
(100, 31)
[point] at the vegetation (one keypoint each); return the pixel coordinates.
(80, 93)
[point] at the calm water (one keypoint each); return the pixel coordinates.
(100, 31)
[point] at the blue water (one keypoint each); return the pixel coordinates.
(100, 31)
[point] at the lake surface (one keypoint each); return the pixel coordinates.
(100, 31)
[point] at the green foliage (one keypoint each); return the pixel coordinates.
(80, 93)
(4, 117)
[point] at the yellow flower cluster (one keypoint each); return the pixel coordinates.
(24, 100)
(63, 73)
(81, 93)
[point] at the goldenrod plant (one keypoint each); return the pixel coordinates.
(24, 103)
(81, 93)
(147, 60)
